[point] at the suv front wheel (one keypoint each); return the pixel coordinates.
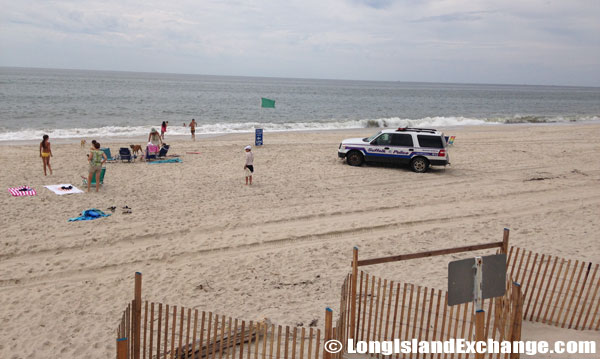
(419, 164)
(354, 158)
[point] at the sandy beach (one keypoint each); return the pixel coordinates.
(278, 249)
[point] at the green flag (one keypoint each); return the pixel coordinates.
(266, 103)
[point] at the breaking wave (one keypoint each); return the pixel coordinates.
(222, 128)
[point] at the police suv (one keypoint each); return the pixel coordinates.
(417, 147)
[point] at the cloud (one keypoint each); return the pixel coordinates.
(375, 4)
(458, 16)
(353, 39)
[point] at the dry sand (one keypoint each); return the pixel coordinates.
(280, 248)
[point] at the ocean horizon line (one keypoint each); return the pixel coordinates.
(408, 82)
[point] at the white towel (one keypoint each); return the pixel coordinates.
(56, 188)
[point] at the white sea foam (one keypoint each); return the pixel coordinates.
(222, 128)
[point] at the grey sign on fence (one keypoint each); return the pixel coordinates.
(461, 279)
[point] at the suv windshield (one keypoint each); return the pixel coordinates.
(369, 139)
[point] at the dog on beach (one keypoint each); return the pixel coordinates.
(136, 148)
(83, 143)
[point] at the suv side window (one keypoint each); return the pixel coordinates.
(402, 139)
(384, 140)
(430, 141)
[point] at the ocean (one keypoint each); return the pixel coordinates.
(78, 103)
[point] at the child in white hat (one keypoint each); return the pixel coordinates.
(249, 166)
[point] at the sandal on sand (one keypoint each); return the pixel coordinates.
(126, 207)
(112, 209)
(128, 211)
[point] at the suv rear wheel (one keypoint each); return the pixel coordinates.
(354, 158)
(419, 164)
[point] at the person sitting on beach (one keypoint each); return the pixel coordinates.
(96, 158)
(193, 129)
(46, 153)
(249, 166)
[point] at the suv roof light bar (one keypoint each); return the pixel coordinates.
(416, 129)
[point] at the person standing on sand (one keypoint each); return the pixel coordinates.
(154, 138)
(163, 129)
(249, 166)
(96, 158)
(46, 153)
(193, 129)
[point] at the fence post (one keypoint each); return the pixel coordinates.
(505, 241)
(517, 319)
(478, 302)
(353, 292)
(479, 329)
(122, 345)
(137, 315)
(328, 332)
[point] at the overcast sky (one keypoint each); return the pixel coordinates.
(497, 41)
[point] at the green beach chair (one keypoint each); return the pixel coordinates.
(94, 178)
(109, 157)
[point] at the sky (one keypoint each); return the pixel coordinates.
(545, 42)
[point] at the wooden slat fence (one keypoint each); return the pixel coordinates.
(171, 332)
(342, 326)
(388, 310)
(557, 291)
(124, 330)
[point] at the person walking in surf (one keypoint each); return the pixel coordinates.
(193, 129)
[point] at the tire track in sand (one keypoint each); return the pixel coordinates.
(302, 240)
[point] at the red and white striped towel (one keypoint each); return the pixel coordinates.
(16, 193)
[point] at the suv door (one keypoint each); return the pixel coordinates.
(378, 151)
(401, 147)
(433, 147)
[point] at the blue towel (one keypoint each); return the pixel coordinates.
(170, 160)
(89, 214)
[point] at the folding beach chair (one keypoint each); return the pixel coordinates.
(125, 154)
(93, 183)
(108, 155)
(163, 151)
(152, 152)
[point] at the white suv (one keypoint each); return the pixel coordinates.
(417, 147)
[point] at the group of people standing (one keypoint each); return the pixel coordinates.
(97, 158)
(165, 124)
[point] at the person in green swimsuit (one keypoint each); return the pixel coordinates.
(96, 158)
